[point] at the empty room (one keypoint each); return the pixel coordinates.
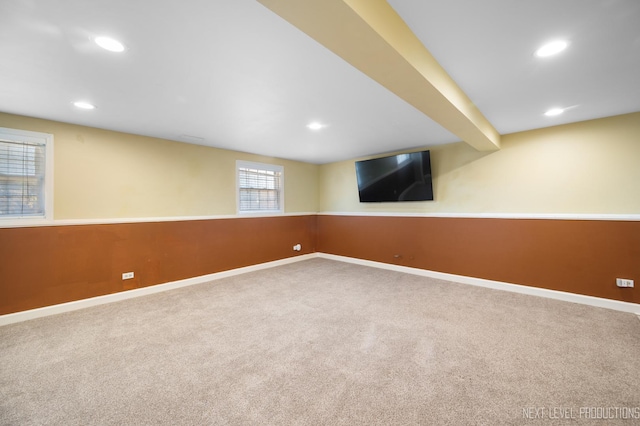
(340, 212)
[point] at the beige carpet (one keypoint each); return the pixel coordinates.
(323, 342)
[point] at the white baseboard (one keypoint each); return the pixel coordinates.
(130, 294)
(616, 305)
(633, 308)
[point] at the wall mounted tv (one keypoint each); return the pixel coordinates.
(402, 177)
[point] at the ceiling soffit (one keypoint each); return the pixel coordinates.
(372, 37)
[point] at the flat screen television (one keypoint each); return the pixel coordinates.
(402, 177)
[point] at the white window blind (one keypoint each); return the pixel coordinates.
(259, 187)
(23, 174)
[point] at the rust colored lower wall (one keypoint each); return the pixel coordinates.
(43, 266)
(577, 256)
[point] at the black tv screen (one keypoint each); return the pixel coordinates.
(402, 177)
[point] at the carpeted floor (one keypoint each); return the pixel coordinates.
(323, 342)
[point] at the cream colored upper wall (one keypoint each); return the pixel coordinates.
(100, 174)
(592, 167)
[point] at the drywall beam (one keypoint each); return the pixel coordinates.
(372, 37)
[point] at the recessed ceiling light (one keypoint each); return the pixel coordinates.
(554, 111)
(84, 105)
(109, 44)
(315, 126)
(552, 48)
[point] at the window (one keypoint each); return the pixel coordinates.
(26, 174)
(260, 187)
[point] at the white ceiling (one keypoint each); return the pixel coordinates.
(240, 77)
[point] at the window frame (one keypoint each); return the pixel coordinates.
(259, 166)
(46, 139)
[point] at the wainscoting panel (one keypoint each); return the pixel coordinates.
(576, 256)
(47, 265)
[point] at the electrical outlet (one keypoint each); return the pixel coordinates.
(127, 275)
(621, 282)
